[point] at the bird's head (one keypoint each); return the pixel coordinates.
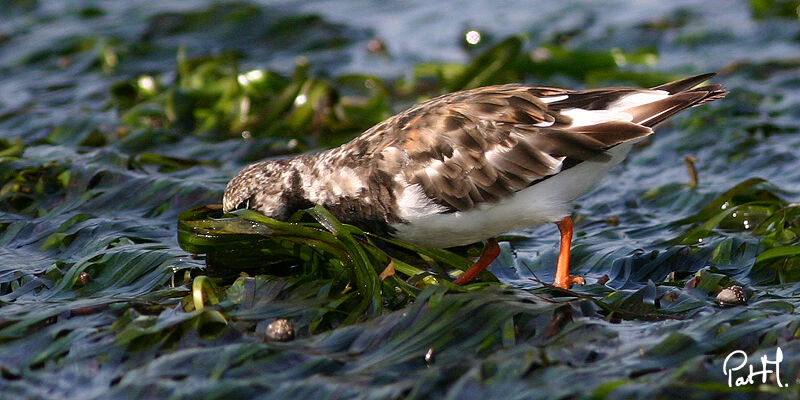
(258, 187)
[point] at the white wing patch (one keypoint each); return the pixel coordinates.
(551, 99)
(637, 99)
(553, 163)
(581, 117)
(614, 112)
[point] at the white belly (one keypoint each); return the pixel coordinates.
(547, 201)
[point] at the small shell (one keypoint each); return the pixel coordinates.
(280, 330)
(430, 357)
(730, 296)
(84, 278)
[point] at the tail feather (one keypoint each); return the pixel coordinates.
(713, 92)
(683, 95)
(684, 84)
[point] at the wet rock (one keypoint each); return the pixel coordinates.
(731, 296)
(280, 330)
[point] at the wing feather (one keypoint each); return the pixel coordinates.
(482, 145)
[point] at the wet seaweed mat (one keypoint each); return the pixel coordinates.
(120, 120)
(514, 336)
(340, 263)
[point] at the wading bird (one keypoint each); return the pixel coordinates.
(470, 165)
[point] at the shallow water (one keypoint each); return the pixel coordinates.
(82, 193)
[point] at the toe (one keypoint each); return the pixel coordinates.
(576, 279)
(567, 283)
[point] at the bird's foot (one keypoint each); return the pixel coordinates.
(563, 279)
(567, 283)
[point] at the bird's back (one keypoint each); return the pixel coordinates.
(474, 152)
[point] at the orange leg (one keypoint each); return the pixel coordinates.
(563, 279)
(490, 251)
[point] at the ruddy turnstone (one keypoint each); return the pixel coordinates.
(470, 165)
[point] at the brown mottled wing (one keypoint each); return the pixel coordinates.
(484, 144)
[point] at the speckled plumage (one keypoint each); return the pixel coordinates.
(436, 173)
